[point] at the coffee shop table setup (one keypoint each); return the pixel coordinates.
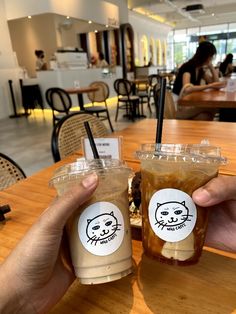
(153, 287)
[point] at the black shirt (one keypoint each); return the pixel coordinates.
(188, 67)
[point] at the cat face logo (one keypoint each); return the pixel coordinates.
(101, 227)
(171, 214)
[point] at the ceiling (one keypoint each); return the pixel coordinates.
(173, 12)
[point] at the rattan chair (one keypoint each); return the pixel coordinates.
(99, 96)
(125, 99)
(59, 101)
(10, 172)
(142, 90)
(169, 107)
(68, 132)
(154, 80)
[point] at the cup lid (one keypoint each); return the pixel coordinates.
(199, 153)
(85, 166)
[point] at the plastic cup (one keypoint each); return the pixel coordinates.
(173, 227)
(99, 231)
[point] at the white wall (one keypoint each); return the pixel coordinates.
(123, 11)
(8, 64)
(98, 11)
(152, 30)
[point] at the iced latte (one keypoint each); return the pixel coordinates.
(99, 232)
(173, 227)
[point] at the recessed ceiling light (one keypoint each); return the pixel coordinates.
(29, 17)
(90, 22)
(68, 17)
(212, 14)
(95, 31)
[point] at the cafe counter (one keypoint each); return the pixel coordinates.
(66, 78)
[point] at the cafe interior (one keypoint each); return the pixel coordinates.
(87, 87)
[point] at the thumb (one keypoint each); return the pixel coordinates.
(55, 216)
(217, 190)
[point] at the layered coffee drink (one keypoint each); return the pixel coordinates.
(99, 231)
(173, 227)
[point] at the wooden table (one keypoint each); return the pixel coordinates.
(210, 99)
(181, 131)
(208, 287)
(80, 91)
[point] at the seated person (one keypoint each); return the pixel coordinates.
(226, 67)
(101, 63)
(190, 77)
(40, 62)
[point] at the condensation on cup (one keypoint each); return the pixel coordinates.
(99, 231)
(173, 227)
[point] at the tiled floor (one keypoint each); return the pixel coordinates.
(28, 140)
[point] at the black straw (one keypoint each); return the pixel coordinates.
(91, 140)
(161, 106)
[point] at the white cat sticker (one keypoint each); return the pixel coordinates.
(101, 228)
(172, 214)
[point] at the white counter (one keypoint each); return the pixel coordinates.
(65, 78)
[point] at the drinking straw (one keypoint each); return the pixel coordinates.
(91, 140)
(161, 105)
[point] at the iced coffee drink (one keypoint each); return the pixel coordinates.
(99, 232)
(173, 227)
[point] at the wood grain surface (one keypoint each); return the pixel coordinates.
(220, 134)
(207, 287)
(210, 99)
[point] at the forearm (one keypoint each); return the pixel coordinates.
(10, 300)
(195, 88)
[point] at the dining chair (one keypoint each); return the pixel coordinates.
(68, 133)
(99, 96)
(10, 172)
(142, 90)
(153, 80)
(125, 99)
(169, 106)
(59, 101)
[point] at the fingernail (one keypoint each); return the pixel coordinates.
(90, 181)
(202, 196)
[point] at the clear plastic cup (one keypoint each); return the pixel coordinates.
(173, 227)
(99, 231)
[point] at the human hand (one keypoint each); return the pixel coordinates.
(37, 273)
(220, 195)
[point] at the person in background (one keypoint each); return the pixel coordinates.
(38, 272)
(197, 74)
(101, 63)
(41, 64)
(226, 67)
(93, 62)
